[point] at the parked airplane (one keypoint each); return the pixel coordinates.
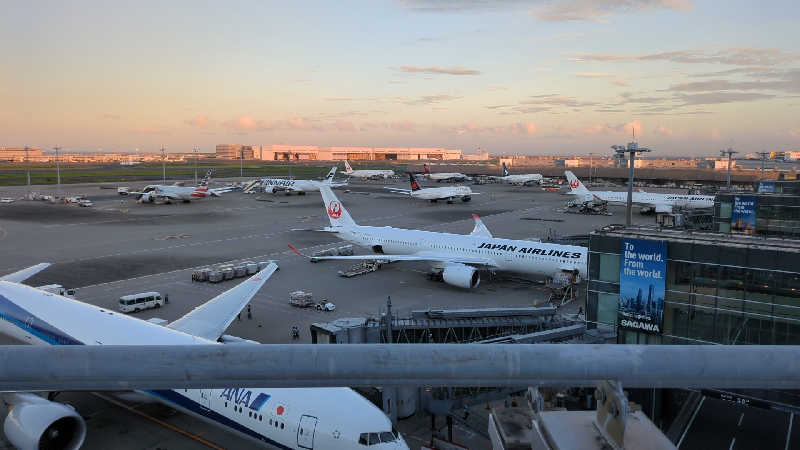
(366, 173)
(435, 194)
(275, 185)
(455, 258)
(660, 203)
(519, 179)
(168, 193)
(283, 418)
(444, 176)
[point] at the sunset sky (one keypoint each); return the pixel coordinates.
(537, 77)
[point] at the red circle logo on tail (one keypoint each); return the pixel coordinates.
(574, 184)
(334, 209)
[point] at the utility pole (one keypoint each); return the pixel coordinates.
(28, 167)
(58, 171)
(195, 165)
(164, 163)
(764, 156)
(241, 162)
(590, 167)
(730, 153)
(632, 149)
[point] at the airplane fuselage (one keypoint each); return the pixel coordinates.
(281, 184)
(442, 193)
(523, 257)
(284, 418)
(370, 173)
(171, 192)
(651, 198)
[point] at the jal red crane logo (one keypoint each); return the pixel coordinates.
(334, 209)
(574, 184)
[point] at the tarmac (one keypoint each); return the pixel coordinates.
(119, 247)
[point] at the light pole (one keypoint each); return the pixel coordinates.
(730, 153)
(763, 160)
(632, 149)
(28, 168)
(164, 164)
(241, 162)
(58, 171)
(195, 165)
(590, 168)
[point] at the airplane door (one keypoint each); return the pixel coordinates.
(305, 433)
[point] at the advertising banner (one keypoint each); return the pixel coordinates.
(743, 216)
(767, 187)
(642, 285)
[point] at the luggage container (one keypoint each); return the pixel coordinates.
(252, 268)
(199, 275)
(228, 273)
(345, 250)
(215, 276)
(239, 271)
(301, 299)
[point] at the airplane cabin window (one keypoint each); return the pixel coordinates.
(281, 425)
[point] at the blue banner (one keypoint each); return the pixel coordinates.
(743, 215)
(642, 275)
(766, 187)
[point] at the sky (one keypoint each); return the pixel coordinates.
(689, 77)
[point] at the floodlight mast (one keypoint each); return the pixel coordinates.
(632, 149)
(730, 152)
(764, 156)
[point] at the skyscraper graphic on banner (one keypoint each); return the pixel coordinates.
(743, 215)
(642, 285)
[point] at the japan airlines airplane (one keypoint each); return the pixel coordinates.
(456, 258)
(169, 193)
(520, 179)
(660, 203)
(275, 185)
(366, 173)
(435, 194)
(318, 418)
(444, 176)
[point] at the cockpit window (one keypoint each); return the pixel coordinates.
(377, 438)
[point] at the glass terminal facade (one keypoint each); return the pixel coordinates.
(718, 288)
(773, 215)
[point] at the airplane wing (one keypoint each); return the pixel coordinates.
(661, 207)
(398, 190)
(480, 229)
(427, 256)
(222, 190)
(22, 275)
(212, 318)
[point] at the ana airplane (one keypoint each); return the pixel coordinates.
(444, 176)
(435, 194)
(366, 173)
(660, 203)
(455, 258)
(519, 179)
(275, 185)
(283, 418)
(169, 193)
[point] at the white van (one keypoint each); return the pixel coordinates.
(138, 302)
(58, 290)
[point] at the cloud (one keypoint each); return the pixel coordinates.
(714, 134)
(345, 126)
(621, 83)
(790, 83)
(524, 129)
(715, 98)
(451, 6)
(663, 131)
(763, 57)
(246, 123)
(200, 121)
(108, 116)
(595, 75)
(556, 100)
(794, 132)
(439, 70)
(405, 126)
(431, 99)
(570, 10)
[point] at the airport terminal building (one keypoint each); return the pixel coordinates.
(283, 152)
(674, 287)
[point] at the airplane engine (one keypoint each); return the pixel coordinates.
(36, 423)
(461, 275)
(146, 198)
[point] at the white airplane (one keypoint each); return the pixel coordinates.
(444, 176)
(519, 179)
(366, 173)
(275, 185)
(435, 194)
(456, 258)
(321, 418)
(660, 203)
(168, 193)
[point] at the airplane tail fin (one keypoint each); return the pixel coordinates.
(575, 184)
(413, 180)
(202, 187)
(347, 168)
(427, 169)
(331, 174)
(505, 170)
(22, 275)
(338, 216)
